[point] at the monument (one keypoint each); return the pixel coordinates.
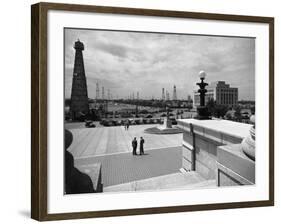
(79, 105)
(167, 123)
(166, 128)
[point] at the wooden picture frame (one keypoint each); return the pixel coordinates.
(39, 110)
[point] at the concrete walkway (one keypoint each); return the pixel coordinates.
(189, 180)
(124, 167)
(109, 140)
(111, 146)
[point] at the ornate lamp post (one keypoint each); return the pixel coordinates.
(202, 110)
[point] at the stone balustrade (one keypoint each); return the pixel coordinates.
(210, 145)
(234, 167)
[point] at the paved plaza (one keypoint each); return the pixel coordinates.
(111, 146)
(111, 140)
(124, 167)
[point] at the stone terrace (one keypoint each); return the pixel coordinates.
(124, 167)
(111, 140)
(111, 146)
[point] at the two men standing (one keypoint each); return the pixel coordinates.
(135, 145)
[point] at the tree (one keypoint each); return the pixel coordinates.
(189, 106)
(67, 102)
(94, 115)
(237, 113)
(211, 105)
(220, 110)
(216, 110)
(228, 115)
(253, 110)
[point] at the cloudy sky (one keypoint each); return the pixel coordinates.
(127, 62)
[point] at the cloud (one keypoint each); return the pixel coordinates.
(114, 49)
(127, 62)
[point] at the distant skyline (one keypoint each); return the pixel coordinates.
(131, 62)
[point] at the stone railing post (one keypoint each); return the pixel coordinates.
(248, 144)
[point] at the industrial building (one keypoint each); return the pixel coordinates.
(221, 92)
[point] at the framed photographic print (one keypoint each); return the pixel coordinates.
(140, 111)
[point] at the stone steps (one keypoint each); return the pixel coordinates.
(189, 180)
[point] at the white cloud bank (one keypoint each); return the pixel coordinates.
(128, 62)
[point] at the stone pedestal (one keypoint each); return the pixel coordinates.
(203, 113)
(167, 123)
(234, 167)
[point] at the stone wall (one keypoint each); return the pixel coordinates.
(201, 140)
(234, 167)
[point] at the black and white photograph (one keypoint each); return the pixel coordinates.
(148, 111)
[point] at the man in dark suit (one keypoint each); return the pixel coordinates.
(141, 145)
(135, 145)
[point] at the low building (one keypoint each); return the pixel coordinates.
(221, 92)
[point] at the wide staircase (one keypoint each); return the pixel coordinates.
(179, 180)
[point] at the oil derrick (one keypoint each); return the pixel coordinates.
(175, 93)
(79, 105)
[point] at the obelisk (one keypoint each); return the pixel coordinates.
(79, 105)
